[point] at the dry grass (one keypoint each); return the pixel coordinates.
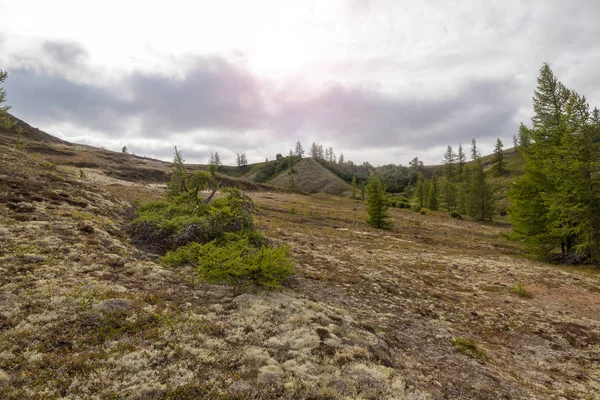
(371, 314)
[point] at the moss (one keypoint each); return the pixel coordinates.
(469, 348)
(519, 290)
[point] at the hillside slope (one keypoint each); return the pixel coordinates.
(312, 177)
(424, 310)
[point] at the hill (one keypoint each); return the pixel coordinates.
(311, 177)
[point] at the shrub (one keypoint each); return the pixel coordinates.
(468, 347)
(456, 214)
(216, 237)
(235, 261)
(519, 290)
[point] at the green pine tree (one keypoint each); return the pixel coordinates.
(556, 201)
(480, 198)
(498, 164)
(5, 121)
(179, 176)
(376, 204)
(432, 193)
(353, 183)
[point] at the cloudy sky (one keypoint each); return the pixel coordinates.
(381, 81)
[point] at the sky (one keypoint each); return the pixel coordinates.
(380, 81)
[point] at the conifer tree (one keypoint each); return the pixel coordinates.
(474, 152)
(214, 162)
(376, 204)
(480, 198)
(449, 161)
(179, 176)
(461, 161)
(4, 119)
(498, 167)
(341, 159)
(421, 189)
(299, 150)
(124, 150)
(432, 193)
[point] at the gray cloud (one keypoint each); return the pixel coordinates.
(366, 118)
(211, 94)
(64, 53)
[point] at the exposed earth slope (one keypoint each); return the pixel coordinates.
(425, 310)
(312, 177)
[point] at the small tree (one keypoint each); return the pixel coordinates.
(376, 204)
(449, 161)
(214, 162)
(299, 150)
(353, 183)
(474, 152)
(241, 160)
(480, 197)
(5, 122)
(432, 194)
(341, 159)
(124, 150)
(179, 177)
(461, 159)
(498, 167)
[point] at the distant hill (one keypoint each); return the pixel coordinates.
(311, 177)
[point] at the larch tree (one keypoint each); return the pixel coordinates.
(498, 164)
(179, 176)
(449, 161)
(4, 119)
(555, 203)
(474, 152)
(299, 150)
(376, 204)
(480, 197)
(461, 160)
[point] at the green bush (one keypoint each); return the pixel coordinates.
(217, 238)
(456, 214)
(235, 261)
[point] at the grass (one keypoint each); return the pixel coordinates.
(519, 290)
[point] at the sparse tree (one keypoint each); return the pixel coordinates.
(214, 162)
(341, 159)
(416, 165)
(474, 152)
(5, 122)
(179, 176)
(421, 189)
(376, 204)
(241, 160)
(314, 150)
(480, 200)
(353, 184)
(432, 193)
(498, 167)
(449, 161)
(124, 150)
(299, 150)
(462, 160)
